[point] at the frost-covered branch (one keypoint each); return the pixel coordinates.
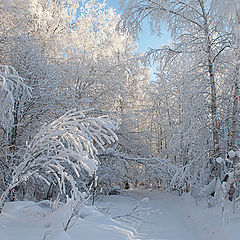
(14, 93)
(137, 214)
(62, 150)
(147, 171)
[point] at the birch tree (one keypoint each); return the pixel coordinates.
(192, 26)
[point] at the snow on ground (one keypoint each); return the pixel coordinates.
(180, 218)
(164, 216)
(28, 221)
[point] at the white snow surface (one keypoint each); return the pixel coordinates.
(232, 154)
(170, 217)
(219, 160)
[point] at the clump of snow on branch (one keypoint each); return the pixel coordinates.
(231, 154)
(219, 160)
(13, 95)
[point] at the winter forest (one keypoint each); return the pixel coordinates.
(86, 130)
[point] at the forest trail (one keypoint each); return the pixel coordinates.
(170, 223)
(175, 217)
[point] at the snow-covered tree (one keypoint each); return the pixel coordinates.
(62, 151)
(14, 96)
(195, 100)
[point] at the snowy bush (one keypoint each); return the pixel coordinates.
(13, 95)
(62, 150)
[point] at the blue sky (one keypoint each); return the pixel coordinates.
(146, 38)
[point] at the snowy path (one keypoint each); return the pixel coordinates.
(170, 223)
(179, 218)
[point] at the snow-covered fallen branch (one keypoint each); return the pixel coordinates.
(137, 215)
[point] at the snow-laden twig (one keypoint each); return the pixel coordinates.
(76, 210)
(136, 214)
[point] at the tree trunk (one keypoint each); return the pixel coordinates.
(235, 110)
(232, 192)
(213, 94)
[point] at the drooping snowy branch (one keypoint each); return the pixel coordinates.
(63, 149)
(118, 168)
(13, 95)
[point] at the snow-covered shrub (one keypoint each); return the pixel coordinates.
(118, 169)
(63, 216)
(62, 151)
(14, 94)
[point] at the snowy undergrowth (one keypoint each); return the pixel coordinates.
(26, 220)
(171, 217)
